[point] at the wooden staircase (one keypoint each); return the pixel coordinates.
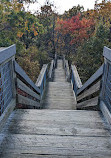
(59, 93)
(57, 131)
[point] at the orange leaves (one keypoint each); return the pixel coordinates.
(35, 33)
(101, 14)
(19, 34)
(28, 29)
(35, 30)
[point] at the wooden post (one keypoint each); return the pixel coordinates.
(105, 95)
(7, 83)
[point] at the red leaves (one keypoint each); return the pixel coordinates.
(78, 28)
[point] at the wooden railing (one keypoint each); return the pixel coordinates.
(95, 93)
(52, 67)
(28, 94)
(87, 96)
(105, 95)
(41, 81)
(75, 79)
(16, 88)
(7, 83)
(66, 67)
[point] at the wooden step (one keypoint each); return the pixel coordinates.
(59, 94)
(55, 133)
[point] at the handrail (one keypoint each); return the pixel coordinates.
(41, 81)
(66, 67)
(22, 73)
(7, 53)
(51, 69)
(55, 61)
(28, 94)
(23, 81)
(87, 94)
(107, 53)
(7, 83)
(75, 79)
(41, 75)
(91, 80)
(105, 95)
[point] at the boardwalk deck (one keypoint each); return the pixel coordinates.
(55, 133)
(59, 94)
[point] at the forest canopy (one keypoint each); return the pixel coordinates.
(79, 35)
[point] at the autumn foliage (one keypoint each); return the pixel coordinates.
(78, 28)
(79, 35)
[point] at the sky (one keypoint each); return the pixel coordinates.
(62, 5)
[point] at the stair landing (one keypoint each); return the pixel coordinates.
(55, 134)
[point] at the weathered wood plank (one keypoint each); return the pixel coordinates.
(76, 76)
(53, 153)
(60, 106)
(105, 112)
(88, 103)
(27, 101)
(35, 141)
(58, 115)
(51, 69)
(7, 53)
(64, 61)
(27, 155)
(107, 53)
(67, 70)
(44, 144)
(57, 128)
(92, 79)
(22, 73)
(26, 89)
(6, 113)
(41, 75)
(57, 133)
(91, 90)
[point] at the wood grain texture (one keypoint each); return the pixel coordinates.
(55, 133)
(91, 80)
(7, 112)
(22, 73)
(41, 75)
(91, 90)
(7, 53)
(26, 89)
(88, 103)
(51, 69)
(27, 101)
(76, 76)
(107, 53)
(67, 72)
(105, 112)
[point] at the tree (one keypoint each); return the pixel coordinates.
(23, 29)
(75, 30)
(47, 17)
(89, 56)
(73, 12)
